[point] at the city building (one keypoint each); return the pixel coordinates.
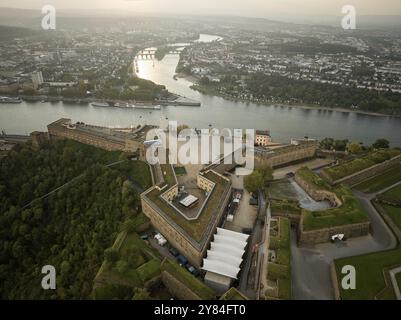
(37, 79)
(262, 138)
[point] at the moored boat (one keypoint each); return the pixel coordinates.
(10, 100)
(100, 104)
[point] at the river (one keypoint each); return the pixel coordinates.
(283, 122)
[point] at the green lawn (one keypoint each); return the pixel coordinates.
(168, 174)
(281, 190)
(285, 206)
(137, 171)
(398, 277)
(369, 274)
(392, 196)
(381, 181)
(394, 213)
(233, 294)
(349, 212)
(313, 179)
(280, 270)
(143, 264)
(361, 163)
(182, 275)
(180, 171)
(149, 270)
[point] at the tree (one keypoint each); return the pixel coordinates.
(267, 173)
(111, 255)
(381, 144)
(340, 145)
(254, 181)
(354, 147)
(122, 266)
(326, 144)
(141, 294)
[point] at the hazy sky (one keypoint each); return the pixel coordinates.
(257, 8)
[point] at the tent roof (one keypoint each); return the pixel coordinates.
(225, 254)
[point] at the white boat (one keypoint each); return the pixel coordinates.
(158, 107)
(100, 104)
(10, 100)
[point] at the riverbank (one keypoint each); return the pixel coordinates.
(176, 100)
(208, 91)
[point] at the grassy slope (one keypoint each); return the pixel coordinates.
(369, 274)
(381, 181)
(350, 212)
(188, 279)
(395, 214)
(281, 269)
(358, 164)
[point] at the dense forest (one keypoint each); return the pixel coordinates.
(70, 228)
(323, 94)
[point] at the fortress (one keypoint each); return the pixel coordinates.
(127, 140)
(298, 150)
(188, 230)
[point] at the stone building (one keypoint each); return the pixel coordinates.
(262, 138)
(127, 140)
(192, 233)
(298, 150)
(38, 138)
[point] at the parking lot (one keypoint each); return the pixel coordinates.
(245, 215)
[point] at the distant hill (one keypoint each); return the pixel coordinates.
(20, 17)
(8, 32)
(85, 18)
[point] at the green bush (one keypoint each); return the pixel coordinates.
(277, 271)
(149, 270)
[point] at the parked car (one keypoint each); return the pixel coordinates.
(173, 251)
(338, 237)
(190, 268)
(196, 273)
(145, 237)
(160, 239)
(183, 261)
(253, 202)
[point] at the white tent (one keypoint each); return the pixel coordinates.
(225, 254)
(232, 234)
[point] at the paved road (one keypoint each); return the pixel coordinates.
(258, 228)
(264, 253)
(311, 266)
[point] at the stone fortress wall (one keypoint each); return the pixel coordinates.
(179, 238)
(365, 174)
(285, 155)
(312, 237)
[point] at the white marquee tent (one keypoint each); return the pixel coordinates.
(225, 254)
